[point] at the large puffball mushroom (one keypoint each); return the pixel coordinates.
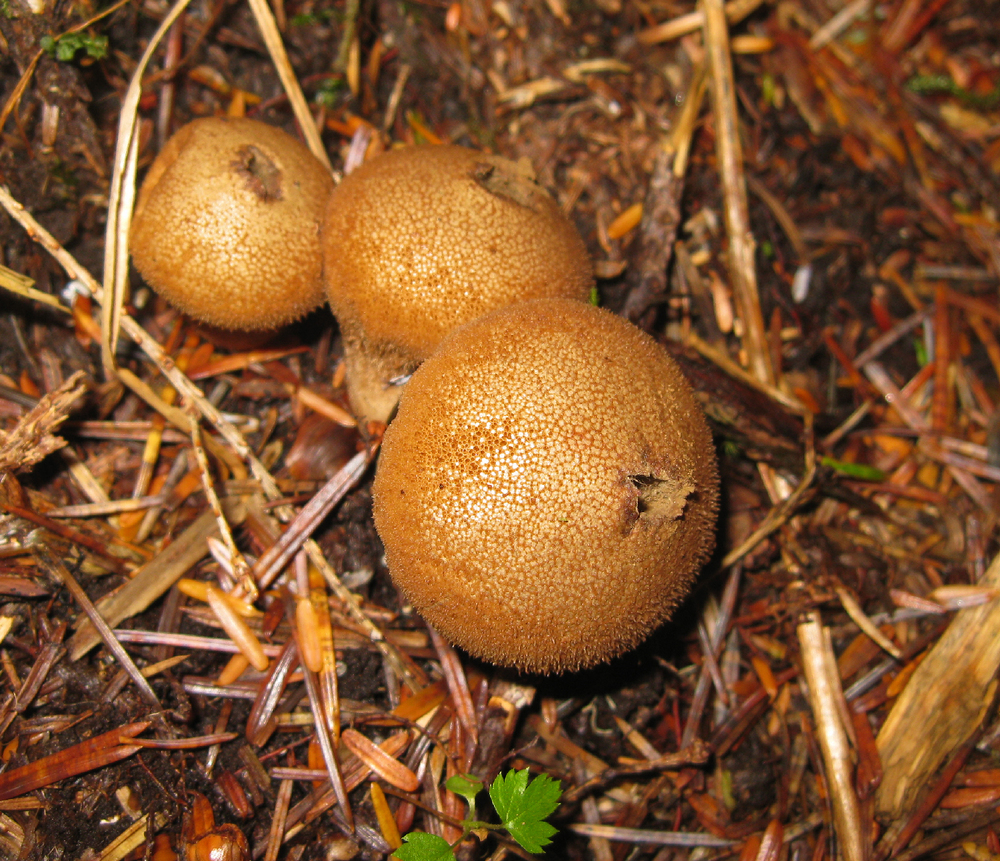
(227, 224)
(548, 489)
(422, 239)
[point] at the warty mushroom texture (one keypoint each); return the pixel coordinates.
(548, 489)
(422, 239)
(227, 224)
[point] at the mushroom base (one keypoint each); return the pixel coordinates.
(373, 377)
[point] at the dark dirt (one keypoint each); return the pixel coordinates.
(593, 140)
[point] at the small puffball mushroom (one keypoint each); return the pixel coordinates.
(548, 489)
(227, 224)
(425, 238)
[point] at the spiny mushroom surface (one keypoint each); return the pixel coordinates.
(425, 238)
(548, 489)
(227, 224)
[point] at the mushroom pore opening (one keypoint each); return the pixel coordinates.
(509, 185)
(262, 176)
(659, 499)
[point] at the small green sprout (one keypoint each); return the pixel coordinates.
(522, 806)
(854, 470)
(64, 47)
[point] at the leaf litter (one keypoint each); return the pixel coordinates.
(799, 198)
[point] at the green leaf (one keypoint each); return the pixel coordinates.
(523, 806)
(65, 47)
(466, 785)
(854, 470)
(421, 846)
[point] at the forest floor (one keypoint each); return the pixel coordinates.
(802, 208)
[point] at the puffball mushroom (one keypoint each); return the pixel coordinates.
(227, 224)
(548, 489)
(422, 239)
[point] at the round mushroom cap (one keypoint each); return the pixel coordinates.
(548, 489)
(227, 224)
(423, 239)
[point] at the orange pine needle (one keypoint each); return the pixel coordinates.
(385, 766)
(94, 753)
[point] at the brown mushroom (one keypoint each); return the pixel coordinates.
(425, 238)
(548, 489)
(227, 224)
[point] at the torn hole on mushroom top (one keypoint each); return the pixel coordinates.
(657, 499)
(514, 183)
(262, 175)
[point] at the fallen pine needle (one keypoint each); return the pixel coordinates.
(94, 753)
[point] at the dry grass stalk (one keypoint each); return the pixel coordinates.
(742, 266)
(458, 685)
(327, 671)
(133, 837)
(736, 11)
(326, 745)
(828, 707)
(278, 818)
(276, 48)
(102, 628)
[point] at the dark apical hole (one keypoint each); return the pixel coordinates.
(263, 176)
(509, 185)
(660, 497)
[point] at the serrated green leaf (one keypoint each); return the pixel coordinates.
(523, 806)
(421, 846)
(466, 785)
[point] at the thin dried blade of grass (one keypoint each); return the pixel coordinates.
(240, 568)
(340, 789)
(121, 199)
(278, 818)
(736, 11)
(45, 659)
(187, 641)
(189, 743)
(105, 509)
(710, 646)
(101, 627)
(650, 837)
(826, 699)
(93, 545)
(22, 285)
(854, 610)
(276, 48)
(730, 368)
(742, 265)
(260, 721)
(329, 687)
(155, 577)
(783, 510)
(133, 837)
